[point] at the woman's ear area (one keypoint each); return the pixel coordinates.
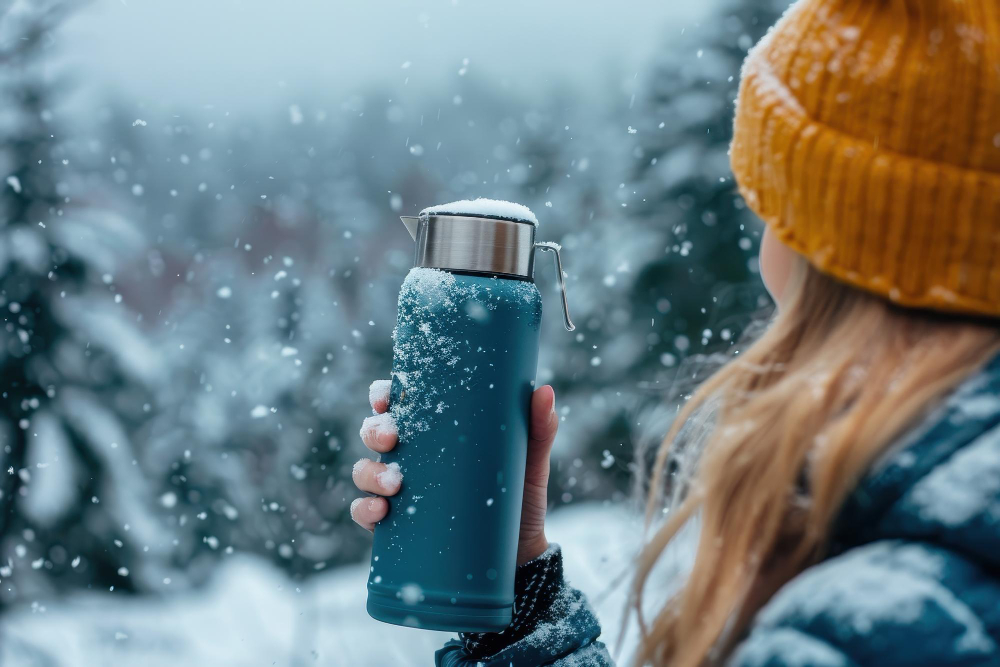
(776, 261)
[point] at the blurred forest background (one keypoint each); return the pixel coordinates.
(195, 300)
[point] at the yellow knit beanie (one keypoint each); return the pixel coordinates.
(867, 135)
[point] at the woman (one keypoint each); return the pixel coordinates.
(848, 492)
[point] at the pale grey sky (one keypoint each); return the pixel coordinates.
(242, 53)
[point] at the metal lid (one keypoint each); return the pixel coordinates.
(472, 243)
(480, 244)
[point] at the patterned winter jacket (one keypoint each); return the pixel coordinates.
(913, 578)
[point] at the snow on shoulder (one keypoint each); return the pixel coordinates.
(482, 207)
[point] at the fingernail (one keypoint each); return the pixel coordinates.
(371, 504)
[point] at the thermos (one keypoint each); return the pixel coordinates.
(464, 356)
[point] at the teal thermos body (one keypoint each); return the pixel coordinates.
(465, 350)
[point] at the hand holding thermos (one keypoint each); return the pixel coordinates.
(374, 477)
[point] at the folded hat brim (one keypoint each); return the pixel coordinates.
(922, 233)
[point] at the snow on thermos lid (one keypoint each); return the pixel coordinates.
(484, 208)
(488, 236)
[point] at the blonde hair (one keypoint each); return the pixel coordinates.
(798, 418)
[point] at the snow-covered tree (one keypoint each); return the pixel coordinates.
(659, 248)
(271, 342)
(700, 281)
(693, 288)
(73, 368)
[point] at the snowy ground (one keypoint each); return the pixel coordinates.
(252, 615)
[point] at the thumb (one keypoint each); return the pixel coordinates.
(544, 424)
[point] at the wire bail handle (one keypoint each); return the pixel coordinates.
(555, 249)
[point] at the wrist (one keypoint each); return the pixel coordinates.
(538, 585)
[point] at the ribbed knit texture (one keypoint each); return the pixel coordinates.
(537, 583)
(867, 135)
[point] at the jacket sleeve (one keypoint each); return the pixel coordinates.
(553, 625)
(888, 603)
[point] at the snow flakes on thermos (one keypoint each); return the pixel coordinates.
(464, 356)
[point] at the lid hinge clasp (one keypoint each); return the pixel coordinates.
(555, 249)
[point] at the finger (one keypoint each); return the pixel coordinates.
(366, 512)
(375, 477)
(544, 424)
(378, 395)
(378, 432)
(544, 421)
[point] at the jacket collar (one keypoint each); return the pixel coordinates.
(971, 410)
